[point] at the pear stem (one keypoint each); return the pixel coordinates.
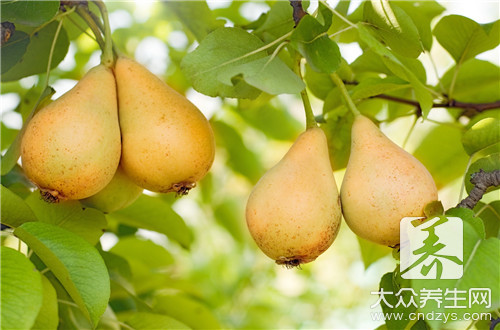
(96, 19)
(93, 26)
(310, 120)
(347, 98)
(107, 57)
(52, 47)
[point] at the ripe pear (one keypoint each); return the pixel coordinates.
(382, 184)
(71, 148)
(118, 194)
(293, 212)
(167, 143)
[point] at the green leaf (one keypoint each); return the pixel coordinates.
(338, 133)
(15, 211)
(487, 164)
(309, 28)
(483, 134)
(311, 40)
(393, 27)
(320, 84)
(481, 270)
(433, 209)
(13, 50)
(75, 263)
(8, 136)
(272, 119)
(31, 13)
(396, 109)
(279, 21)
(17, 182)
(322, 54)
(463, 38)
(338, 24)
(396, 66)
(477, 81)
(229, 214)
(118, 267)
(153, 213)
(422, 13)
(191, 312)
(153, 321)
(70, 215)
(370, 61)
(262, 74)
(468, 216)
(21, 290)
(196, 16)
(389, 283)
(376, 86)
(149, 254)
(490, 214)
(36, 57)
(371, 252)
(239, 157)
(220, 51)
(48, 317)
(444, 163)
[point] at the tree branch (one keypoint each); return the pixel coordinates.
(478, 107)
(481, 180)
(298, 11)
(470, 109)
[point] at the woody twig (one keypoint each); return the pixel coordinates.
(482, 181)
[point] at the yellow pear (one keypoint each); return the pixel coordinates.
(118, 194)
(71, 148)
(167, 143)
(293, 212)
(382, 184)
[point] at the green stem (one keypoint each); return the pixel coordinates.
(347, 98)
(453, 81)
(339, 15)
(310, 120)
(52, 47)
(107, 57)
(98, 22)
(409, 132)
(93, 26)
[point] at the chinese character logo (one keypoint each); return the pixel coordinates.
(432, 249)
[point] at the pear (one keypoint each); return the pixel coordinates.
(117, 195)
(167, 143)
(382, 184)
(71, 147)
(293, 213)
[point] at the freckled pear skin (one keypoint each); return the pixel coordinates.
(167, 143)
(382, 184)
(118, 194)
(71, 148)
(293, 212)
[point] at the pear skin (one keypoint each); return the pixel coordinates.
(118, 194)
(71, 148)
(167, 143)
(293, 212)
(382, 184)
